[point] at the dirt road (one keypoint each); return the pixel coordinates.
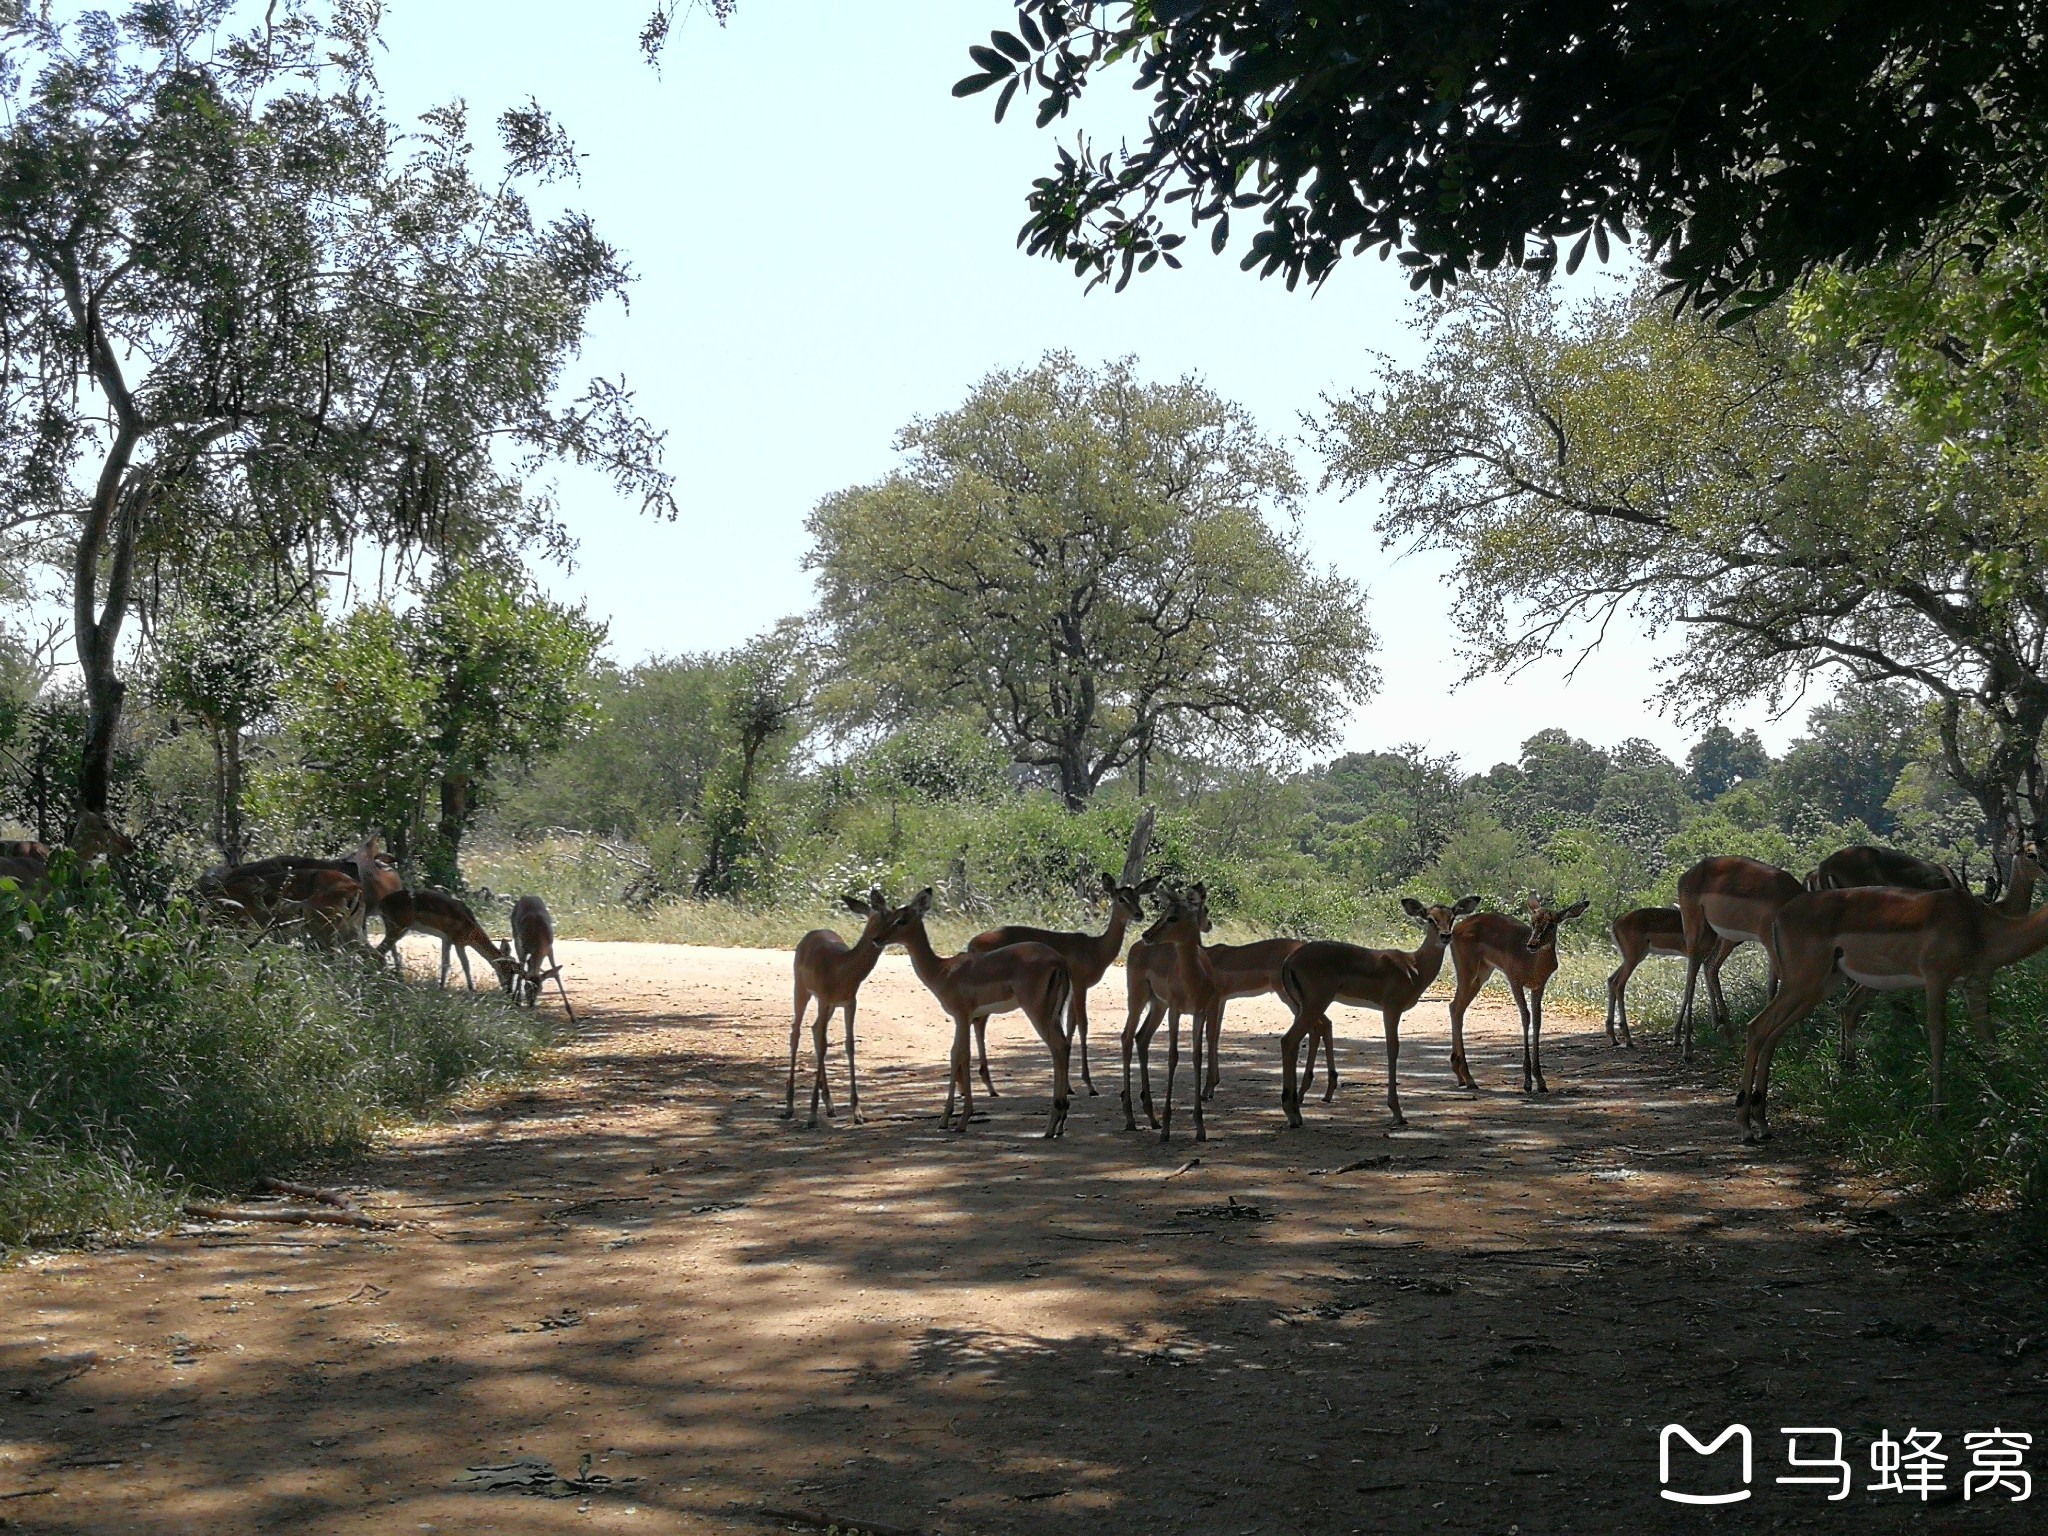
(1475, 1324)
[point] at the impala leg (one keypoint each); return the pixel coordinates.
(1855, 1003)
(1329, 1034)
(1937, 1035)
(1172, 1063)
(962, 1078)
(1765, 1031)
(796, 1034)
(1133, 1011)
(1461, 999)
(444, 962)
(1536, 1036)
(1528, 1061)
(852, 1075)
(1062, 1079)
(1717, 1000)
(819, 1087)
(1617, 1001)
(1684, 1029)
(1977, 994)
(1214, 1076)
(981, 1048)
(561, 991)
(1198, 1039)
(1153, 1019)
(1393, 1022)
(1077, 1025)
(1290, 1048)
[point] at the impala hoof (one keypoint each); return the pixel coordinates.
(1093, 1091)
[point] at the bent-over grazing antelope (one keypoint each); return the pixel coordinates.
(427, 910)
(533, 948)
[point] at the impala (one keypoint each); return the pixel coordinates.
(1864, 864)
(1239, 970)
(2017, 901)
(326, 906)
(1525, 953)
(831, 971)
(533, 948)
(1088, 955)
(1639, 934)
(449, 920)
(1732, 900)
(27, 863)
(1188, 985)
(971, 987)
(1888, 940)
(1391, 980)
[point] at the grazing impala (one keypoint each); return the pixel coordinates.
(971, 987)
(2017, 902)
(1525, 953)
(533, 947)
(427, 910)
(1864, 864)
(324, 905)
(1638, 935)
(830, 970)
(1391, 980)
(1088, 955)
(27, 862)
(1727, 899)
(1889, 940)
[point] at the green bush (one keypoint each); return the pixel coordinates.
(142, 1056)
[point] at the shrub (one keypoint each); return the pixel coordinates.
(144, 1055)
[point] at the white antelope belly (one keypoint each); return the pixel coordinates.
(1881, 981)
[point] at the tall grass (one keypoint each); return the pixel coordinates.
(142, 1057)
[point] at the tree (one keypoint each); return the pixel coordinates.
(218, 659)
(510, 673)
(762, 695)
(1759, 485)
(229, 299)
(1857, 745)
(1086, 563)
(1749, 141)
(1720, 760)
(387, 711)
(1385, 816)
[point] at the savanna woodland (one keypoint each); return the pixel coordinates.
(1729, 350)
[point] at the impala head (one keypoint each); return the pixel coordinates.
(882, 920)
(1129, 899)
(1185, 914)
(1442, 919)
(95, 837)
(1544, 919)
(503, 963)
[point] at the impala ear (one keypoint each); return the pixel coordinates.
(1413, 907)
(1534, 903)
(1109, 882)
(1576, 909)
(922, 903)
(856, 906)
(1146, 887)
(1466, 904)
(876, 900)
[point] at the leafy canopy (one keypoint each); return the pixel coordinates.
(1748, 140)
(1097, 568)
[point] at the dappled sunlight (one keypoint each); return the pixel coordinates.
(635, 1258)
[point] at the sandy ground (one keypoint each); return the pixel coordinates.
(1474, 1324)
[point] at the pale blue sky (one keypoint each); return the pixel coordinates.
(825, 241)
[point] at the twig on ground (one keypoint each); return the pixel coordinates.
(1193, 1162)
(295, 1218)
(333, 1197)
(843, 1523)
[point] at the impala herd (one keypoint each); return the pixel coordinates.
(1882, 920)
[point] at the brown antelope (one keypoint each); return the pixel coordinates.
(2017, 901)
(1186, 985)
(1525, 953)
(970, 987)
(93, 837)
(252, 888)
(1391, 980)
(1729, 899)
(1151, 981)
(325, 905)
(831, 971)
(448, 919)
(1864, 864)
(533, 947)
(1888, 940)
(1639, 934)
(1088, 955)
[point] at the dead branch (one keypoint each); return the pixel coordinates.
(334, 1197)
(293, 1217)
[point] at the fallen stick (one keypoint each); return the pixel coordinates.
(1193, 1162)
(843, 1523)
(333, 1197)
(1380, 1161)
(29, 1493)
(295, 1218)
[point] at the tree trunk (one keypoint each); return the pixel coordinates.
(1074, 783)
(231, 794)
(455, 810)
